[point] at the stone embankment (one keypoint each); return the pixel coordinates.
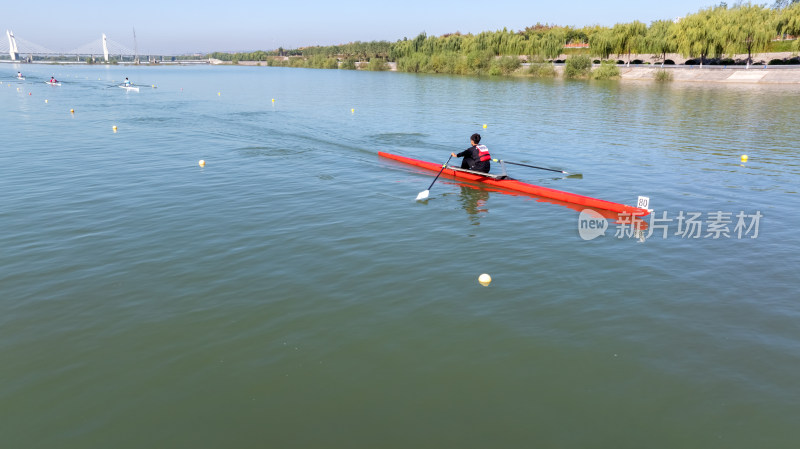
(758, 73)
(753, 75)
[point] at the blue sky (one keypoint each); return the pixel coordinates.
(183, 27)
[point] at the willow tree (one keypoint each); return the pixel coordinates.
(629, 37)
(552, 43)
(451, 42)
(533, 45)
(659, 38)
(789, 22)
(749, 27)
(697, 34)
(601, 43)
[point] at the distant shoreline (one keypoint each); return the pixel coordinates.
(757, 73)
(725, 74)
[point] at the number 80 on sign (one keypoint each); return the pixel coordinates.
(643, 203)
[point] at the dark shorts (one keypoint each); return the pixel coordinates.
(469, 164)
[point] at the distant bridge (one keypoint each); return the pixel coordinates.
(18, 49)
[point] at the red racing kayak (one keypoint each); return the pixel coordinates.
(504, 182)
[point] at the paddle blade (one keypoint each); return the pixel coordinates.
(423, 195)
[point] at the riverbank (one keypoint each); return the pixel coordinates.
(756, 74)
(759, 73)
(753, 75)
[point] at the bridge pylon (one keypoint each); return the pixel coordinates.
(12, 46)
(105, 48)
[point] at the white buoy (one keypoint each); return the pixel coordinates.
(202, 163)
(485, 279)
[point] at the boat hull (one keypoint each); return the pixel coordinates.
(522, 187)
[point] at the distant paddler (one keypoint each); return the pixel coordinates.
(19, 75)
(53, 80)
(476, 157)
(127, 83)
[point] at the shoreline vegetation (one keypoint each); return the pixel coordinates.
(717, 35)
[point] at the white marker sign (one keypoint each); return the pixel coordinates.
(643, 202)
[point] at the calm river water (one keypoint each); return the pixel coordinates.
(291, 293)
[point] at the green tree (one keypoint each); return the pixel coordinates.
(601, 43)
(575, 36)
(749, 27)
(629, 37)
(552, 43)
(659, 38)
(789, 22)
(697, 34)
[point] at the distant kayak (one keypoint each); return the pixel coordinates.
(21, 78)
(129, 88)
(52, 84)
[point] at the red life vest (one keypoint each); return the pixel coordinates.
(483, 153)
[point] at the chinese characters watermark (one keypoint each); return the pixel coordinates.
(686, 225)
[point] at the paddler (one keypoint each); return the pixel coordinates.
(19, 75)
(53, 80)
(127, 83)
(476, 157)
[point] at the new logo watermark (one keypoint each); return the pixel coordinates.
(685, 225)
(591, 224)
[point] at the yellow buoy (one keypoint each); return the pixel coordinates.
(114, 128)
(485, 279)
(45, 101)
(484, 126)
(744, 158)
(353, 111)
(72, 111)
(273, 100)
(219, 93)
(202, 163)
